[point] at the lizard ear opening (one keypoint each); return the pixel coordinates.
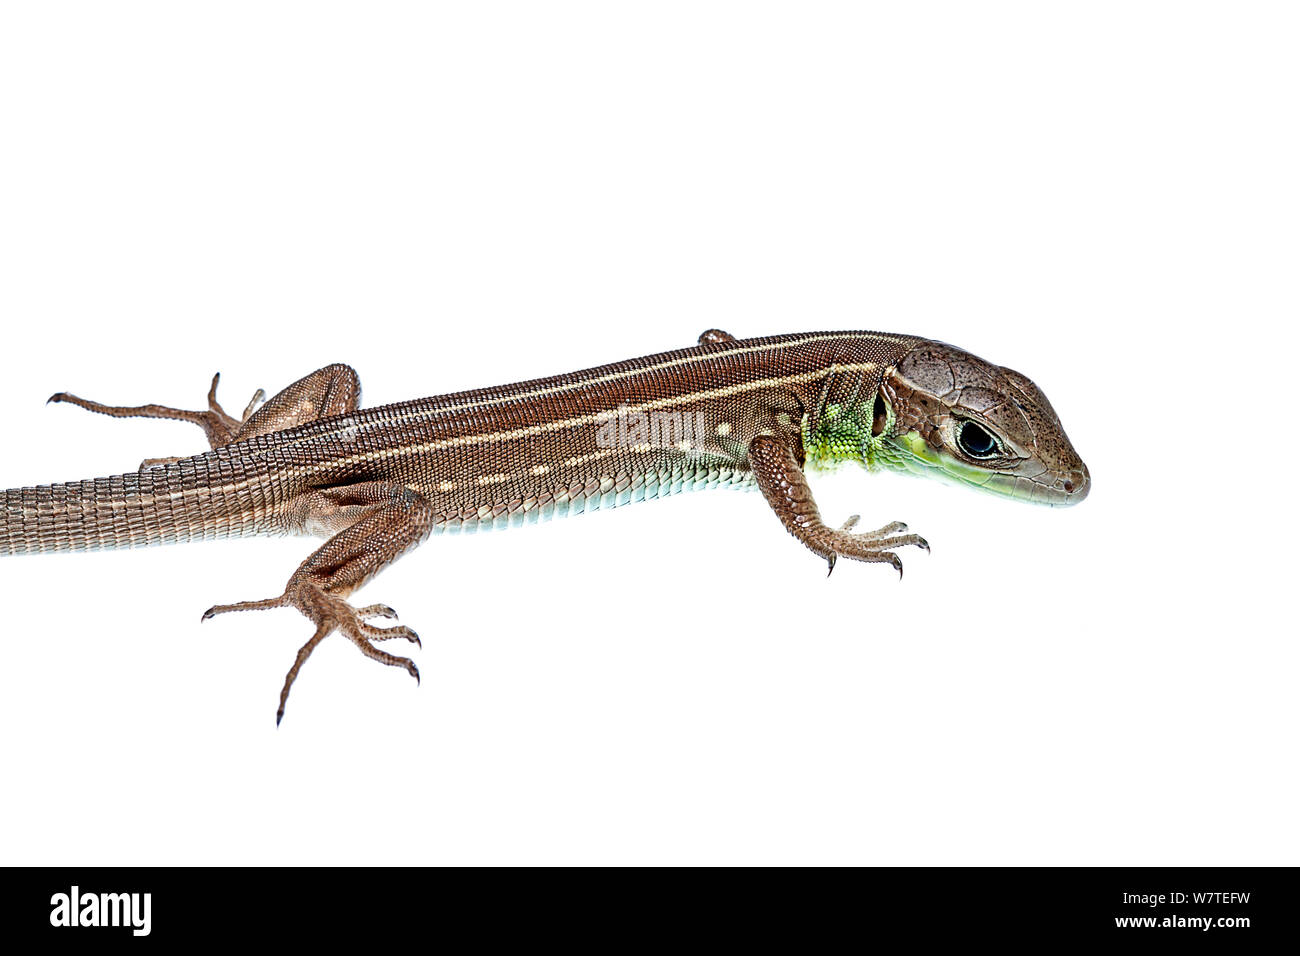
(879, 416)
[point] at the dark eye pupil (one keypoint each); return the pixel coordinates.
(975, 441)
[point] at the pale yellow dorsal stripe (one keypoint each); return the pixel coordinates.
(413, 413)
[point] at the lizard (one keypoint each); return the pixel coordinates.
(375, 483)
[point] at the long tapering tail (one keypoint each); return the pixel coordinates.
(153, 506)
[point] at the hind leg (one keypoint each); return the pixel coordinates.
(326, 392)
(332, 390)
(219, 426)
(376, 523)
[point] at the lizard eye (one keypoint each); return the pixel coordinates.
(976, 441)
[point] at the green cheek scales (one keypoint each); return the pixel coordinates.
(917, 457)
(911, 454)
(844, 434)
(836, 438)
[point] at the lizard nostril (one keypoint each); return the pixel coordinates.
(1076, 487)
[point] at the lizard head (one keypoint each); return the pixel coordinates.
(948, 413)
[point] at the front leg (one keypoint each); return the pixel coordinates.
(375, 523)
(776, 468)
(715, 337)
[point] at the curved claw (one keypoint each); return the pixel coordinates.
(894, 527)
(330, 614)
(897, 563)
(373, 633)
(873, 547)
(216, 609)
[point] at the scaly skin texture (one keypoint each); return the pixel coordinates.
(376, 482)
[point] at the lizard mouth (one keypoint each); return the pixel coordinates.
(1030, 481)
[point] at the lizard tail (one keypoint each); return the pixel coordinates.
(153, 506)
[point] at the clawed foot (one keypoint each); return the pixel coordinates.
(331, 613)
(219, 426)
(875, 547)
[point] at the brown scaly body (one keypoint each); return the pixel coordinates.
(378, 481)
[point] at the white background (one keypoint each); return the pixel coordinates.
(1101, 195)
